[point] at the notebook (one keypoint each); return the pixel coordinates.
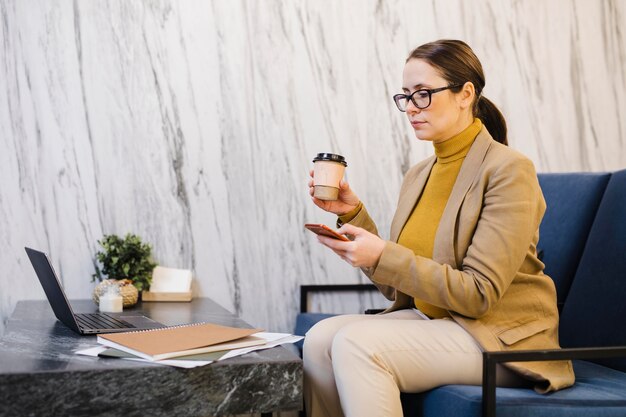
(82, 323)
(172, 342)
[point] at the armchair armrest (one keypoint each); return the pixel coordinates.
(491, 359)
(306, 289)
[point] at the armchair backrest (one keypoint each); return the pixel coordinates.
(572, 201)
(594, 313)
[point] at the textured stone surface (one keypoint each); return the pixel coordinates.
(40, 375)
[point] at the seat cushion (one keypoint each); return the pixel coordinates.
(572, 200)
(598, 391)
(594, 311)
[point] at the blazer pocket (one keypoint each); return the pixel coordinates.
(511, 336)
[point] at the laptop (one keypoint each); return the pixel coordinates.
(88, 323)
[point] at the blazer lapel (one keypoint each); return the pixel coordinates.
(443, 250)
(407, 200)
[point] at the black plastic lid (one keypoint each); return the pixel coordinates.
(333, 157)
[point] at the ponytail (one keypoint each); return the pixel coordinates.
(493, 120)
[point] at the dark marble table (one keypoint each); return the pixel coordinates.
(40, 375)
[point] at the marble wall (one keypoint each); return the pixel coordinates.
(193, 124)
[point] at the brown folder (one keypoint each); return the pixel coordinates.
(171, 342)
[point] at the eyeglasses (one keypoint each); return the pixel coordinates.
(420, 98)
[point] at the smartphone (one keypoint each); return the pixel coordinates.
(322, 229)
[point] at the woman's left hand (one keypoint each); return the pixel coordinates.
(362, 252)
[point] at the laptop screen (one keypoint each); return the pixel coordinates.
(52, 287)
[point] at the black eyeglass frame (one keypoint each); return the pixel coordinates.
(430, 92)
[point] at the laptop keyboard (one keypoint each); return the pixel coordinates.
(101, 321)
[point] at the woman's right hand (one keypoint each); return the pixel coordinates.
(345, 203)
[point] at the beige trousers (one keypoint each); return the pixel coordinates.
(357, 365)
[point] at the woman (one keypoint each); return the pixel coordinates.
(462, 252)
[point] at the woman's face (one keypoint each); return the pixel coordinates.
(448, 114)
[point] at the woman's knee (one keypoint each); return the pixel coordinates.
(351, 342)
(318, 340)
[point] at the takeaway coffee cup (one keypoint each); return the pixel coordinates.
(328, 170)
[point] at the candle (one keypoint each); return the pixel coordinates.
(111, 301)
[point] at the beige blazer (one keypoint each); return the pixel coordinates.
(485, 269)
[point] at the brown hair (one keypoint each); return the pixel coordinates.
(457, 64)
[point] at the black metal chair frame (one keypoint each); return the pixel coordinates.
(305, 290)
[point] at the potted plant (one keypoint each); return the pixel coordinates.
(126, 262)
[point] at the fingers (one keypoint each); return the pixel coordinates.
(311, 184)
(344, 189)
(348, 229)
(341, 248)
(345, 258)
(334, 244)
(319, 203)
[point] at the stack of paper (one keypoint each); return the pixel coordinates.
(186, 346)
(171, 342)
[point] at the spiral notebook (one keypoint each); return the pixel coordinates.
(172, 342)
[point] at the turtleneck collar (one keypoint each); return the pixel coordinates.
(459, 145)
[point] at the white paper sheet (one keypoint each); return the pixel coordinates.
(94, 351)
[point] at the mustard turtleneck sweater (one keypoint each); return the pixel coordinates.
(419, 231)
